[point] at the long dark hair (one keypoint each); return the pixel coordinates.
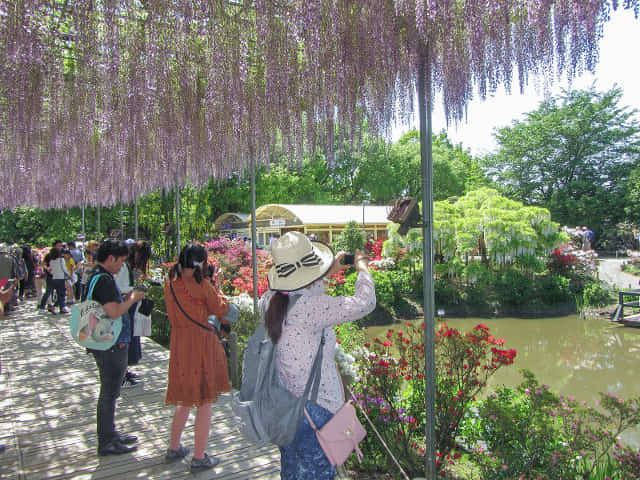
(188, 256)
(274, 316)
(53, 254)
(139, 254)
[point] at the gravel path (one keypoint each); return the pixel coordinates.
(610, 272)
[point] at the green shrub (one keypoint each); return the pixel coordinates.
(352, 238)
(532, 432)
(514, 288)
(552, 289)
(350, 335)
(160, 326)
(385, 294)
(400, 281)
(446, 293)
(597, 294)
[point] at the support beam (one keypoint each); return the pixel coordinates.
(178, 219)
(135, 209)
(426, 157)
(254, 235)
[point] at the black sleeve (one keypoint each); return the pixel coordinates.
(105, 290)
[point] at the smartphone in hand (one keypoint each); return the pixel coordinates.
(348, 259)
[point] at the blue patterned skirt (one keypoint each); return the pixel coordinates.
(304, 459)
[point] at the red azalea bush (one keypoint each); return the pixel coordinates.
(464, 364)
(374, 248)
(562, 261)
(391, 390)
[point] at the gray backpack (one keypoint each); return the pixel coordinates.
(264, 410)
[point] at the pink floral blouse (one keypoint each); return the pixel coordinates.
(302, 332)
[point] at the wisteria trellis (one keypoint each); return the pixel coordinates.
(148, 94)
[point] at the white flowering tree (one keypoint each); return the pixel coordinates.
(499, 230)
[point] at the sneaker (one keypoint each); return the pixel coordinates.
(64, 310)
(204, 463)
(175, 455)
(51, 309)
(131, 374)
(129, 382)
(42, 310)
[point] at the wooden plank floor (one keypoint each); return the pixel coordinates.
(48, 394)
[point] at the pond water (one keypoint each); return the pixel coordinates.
(574, 356)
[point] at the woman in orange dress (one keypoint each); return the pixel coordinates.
(197, 364)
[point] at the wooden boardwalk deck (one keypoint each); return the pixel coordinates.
(48, 395)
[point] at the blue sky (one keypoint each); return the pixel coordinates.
(619, 65)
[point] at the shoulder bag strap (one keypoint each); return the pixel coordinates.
(316, 371)
(188, 317)
(93, 282)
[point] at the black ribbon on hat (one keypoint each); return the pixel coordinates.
(285, 269)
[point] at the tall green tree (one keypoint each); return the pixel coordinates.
(573, 155)
(397, 172)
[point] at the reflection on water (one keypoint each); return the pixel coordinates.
(574, 356)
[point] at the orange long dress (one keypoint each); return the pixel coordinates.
(197, 363)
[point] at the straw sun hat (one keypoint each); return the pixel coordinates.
(298, 262)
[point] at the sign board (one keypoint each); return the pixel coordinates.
(279, 222)
(80, 236)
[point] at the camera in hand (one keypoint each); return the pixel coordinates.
(142, 287)
(211, 270)
(348, 259)
(146, 306)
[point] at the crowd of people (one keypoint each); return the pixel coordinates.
(297, 315)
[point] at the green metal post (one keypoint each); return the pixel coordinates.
(426, 156)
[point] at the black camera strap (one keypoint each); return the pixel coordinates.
(209, 329)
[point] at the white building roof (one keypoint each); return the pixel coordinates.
(325, 214)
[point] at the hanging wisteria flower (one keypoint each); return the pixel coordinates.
(171, 92)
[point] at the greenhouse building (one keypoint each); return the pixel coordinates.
(321, 221)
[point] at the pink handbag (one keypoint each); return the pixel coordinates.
(341, 435)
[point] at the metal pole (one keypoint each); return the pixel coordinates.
(254, 235)
(178, 217)
(83, 222)
(135, 210)
(426, 157)
(121, 222)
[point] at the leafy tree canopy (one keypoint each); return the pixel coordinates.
(573, 155)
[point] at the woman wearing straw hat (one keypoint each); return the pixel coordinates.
(297, 311)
